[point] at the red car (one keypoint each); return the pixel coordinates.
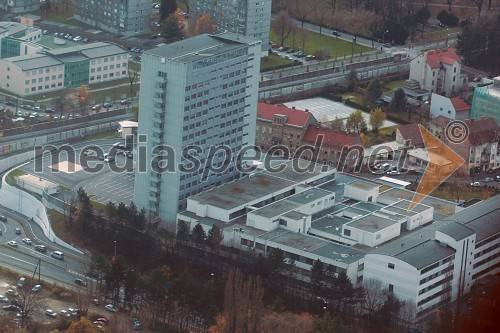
(97, 107)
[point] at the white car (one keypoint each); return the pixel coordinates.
(65, 313)
(111, 308)
(51, 313)
(36, 288)
(72, 311)
(12, 243)
(4, 299)
(77, 39)
(475, 184)
(27, 241)
(394, 173)
(89, 152)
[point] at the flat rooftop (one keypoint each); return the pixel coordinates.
(276, 208)
(243, 191)
(425, 254)
(301, 170)
(442, 208)
(371, 223)
(36, 181)
(330, 224)
(294, 215)
(309, 195)
(363, 185)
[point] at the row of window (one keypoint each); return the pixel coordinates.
(105, 76)
(40, 88)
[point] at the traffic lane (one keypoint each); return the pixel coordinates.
(34, 232)
(26, 264)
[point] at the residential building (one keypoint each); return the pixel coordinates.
(452, 108)
(19, 6)
(486, 101)
(280, 125)
(410, 132)
(123, 17)
(18, 39)
(246, 17)
(479, 149)
(199, 91)
(52, 70)
(438, 71)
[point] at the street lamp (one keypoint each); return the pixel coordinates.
(383, 36)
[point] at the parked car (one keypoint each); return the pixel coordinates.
(497, 178)
(12, 243)
(137, 324)
(3, 218)
(97, 107)
(51, 313)
(108, 105)
(72, 311)
(77, 39)
(36, 288)
(310, 57)
(290, 51)
(10, 307)
(89, 152)
(387, 45)
(49, 110)
(125, 102)
(111, 308)
(36, 109)
(488, 179)
(95, 301)
(103, 320)
(475, 184)
(284, 48)
(4, 299)
(27, 241)
(393, 173)
(378, 172)
(287, 57)
(41, 248)
(336, 33)
(65, 313)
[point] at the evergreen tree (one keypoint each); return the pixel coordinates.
(172, 32)
(167, 7)
(398, 102)
(198, 234)
(352, 80)
(182, 231)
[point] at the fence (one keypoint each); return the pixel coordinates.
(61, 123)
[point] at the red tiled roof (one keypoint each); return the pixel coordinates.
(459, 104)
(441, 121)
(483, 130)
(294, 117)
(411, 132)
(331, 137)
(436, 57)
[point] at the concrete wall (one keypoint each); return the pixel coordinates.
(24, 203)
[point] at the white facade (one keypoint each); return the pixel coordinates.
(361, 190)
(106, 68)
(442, 106)
(438, 72)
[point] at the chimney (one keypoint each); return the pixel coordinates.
(306, 110)
(293, 107)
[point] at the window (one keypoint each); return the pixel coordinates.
(347, 232)
(391, 288)
(390, 266)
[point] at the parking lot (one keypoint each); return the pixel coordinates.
(109, 184)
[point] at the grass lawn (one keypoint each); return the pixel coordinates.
(10, 179)
(271, 62)
(61, 229)
(315, 42)
(393, 85)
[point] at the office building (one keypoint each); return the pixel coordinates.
(51, 70)
(247, 17)
(123, 17)
(199, 91)
(18, 39)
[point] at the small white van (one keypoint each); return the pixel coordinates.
(21, 282)
(58, 255)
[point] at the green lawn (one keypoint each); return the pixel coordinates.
(10, 179)
(271, 62)
(393, 85)
(315, 42)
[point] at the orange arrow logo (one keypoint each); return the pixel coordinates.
(443, 161)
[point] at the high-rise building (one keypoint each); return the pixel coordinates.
(247, 17)
(200, 91)
(19, 6)
(124, 17)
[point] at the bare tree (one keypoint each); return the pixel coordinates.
(63, 102)
(303, 34)
(302, 10)
(282, 26)
(29, 302)
(132, 76)
(373, 295)
(319, 15)
(479, 5)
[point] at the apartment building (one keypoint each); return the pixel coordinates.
(438, 71)
(247, 17)
(451, 108)
(52, 70)
(199, 91)
(19, 6)
(123, 17)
